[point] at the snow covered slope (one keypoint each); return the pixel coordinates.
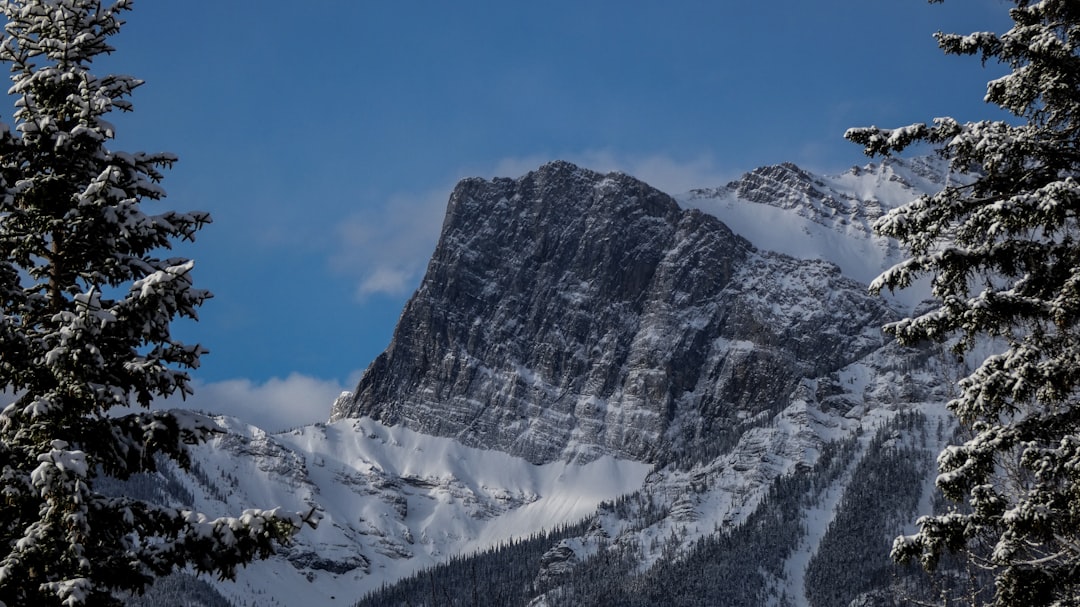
(785, 209)
(569, 314)
(393, 501)
(752, 362)
(705, 393)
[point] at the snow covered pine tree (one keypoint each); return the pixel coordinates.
(1004, 253)
(85, 328)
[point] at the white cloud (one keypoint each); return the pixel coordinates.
(391, 280)
(677, 177)
(274, 405)
(387, 248)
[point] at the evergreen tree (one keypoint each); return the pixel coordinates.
(1003, 248)
(84, 327)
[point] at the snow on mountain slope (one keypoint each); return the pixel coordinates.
(717, 487)
(569, 314)
(785, 209)
(592, 306)
(393, 501)
(721, 494)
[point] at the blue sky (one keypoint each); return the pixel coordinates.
(325, 136)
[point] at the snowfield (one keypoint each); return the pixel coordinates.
(393, 502)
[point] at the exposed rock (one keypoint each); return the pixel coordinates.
(556, 562)
(569, 314)
(309, 559)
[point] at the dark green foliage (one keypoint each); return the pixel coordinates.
(179, 589)
(502, 576)
(86, 303)
(881, 498)
(161, 487)
(730, 568)
(1003, 247)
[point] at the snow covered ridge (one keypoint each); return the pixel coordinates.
(785, 209)
(568, 315)
(392, 500)
(703, 391)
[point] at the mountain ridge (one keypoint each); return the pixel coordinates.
(610, 313)
(657, 383)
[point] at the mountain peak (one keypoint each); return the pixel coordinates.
(579, 320)
(555, 193)
(568, 314)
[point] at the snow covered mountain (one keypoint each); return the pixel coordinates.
(661, 400)
(568, 314)
(785, 209)
(393, 501)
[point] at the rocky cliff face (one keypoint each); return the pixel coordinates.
(582, 321)
(569, 314)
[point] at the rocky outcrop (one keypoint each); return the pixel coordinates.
(569, 314)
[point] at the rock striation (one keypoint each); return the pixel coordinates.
(709, 395)
(569, 314)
